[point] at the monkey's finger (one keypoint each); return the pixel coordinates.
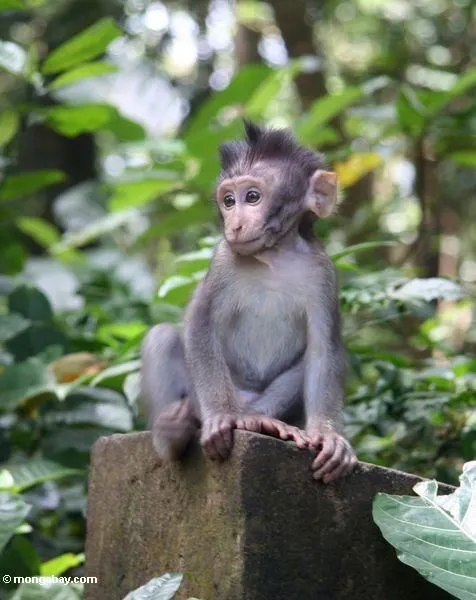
(300, 439)
(316, 441)
(341, 469)
(334, 461)
(327, 451)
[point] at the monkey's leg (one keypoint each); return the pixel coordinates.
(165, 389)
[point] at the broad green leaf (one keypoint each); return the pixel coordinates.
(59, 565)
(29, 302)
(465, 83)
(13, 511)
(91, 69)
(177, 289)
(324, 110)
(125, 129)
(159, 588)
(137, 193)
(205, 133)
(356, 166)
(131, 388)
(35, 471)
(412, 112)
(74, 120)
(117, 370)
(88, 44)
(19, 557)
(434, 534)
(271, 87)
(11, 325)
(7, 483)
(191, 262)
(35, 591)
(200, 212)
(465, 158)
(36, 339)
(433, 288)
(44, 233)
(21, 381)
(93, 231)
(12, 5)
(9, 121)
(363, 247)
(18, 186)
(13, 57)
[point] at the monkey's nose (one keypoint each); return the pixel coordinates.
(237, 228)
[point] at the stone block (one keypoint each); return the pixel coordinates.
(256, 527)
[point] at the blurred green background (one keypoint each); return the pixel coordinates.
(110, 117)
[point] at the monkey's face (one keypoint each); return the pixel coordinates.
(244, 205)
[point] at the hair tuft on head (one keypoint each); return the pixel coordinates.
(253, 132)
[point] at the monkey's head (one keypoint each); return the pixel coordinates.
(269, 186)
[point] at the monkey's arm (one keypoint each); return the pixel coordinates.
(324, 376)
(213, 388)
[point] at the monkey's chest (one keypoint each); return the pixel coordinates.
(262, 337)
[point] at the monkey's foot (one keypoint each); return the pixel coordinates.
(217, 436)
(173, 429)
(274, 428)
(335, 456)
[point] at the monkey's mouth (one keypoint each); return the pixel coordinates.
(247, 246)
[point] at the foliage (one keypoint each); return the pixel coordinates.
(81, 253)
(435, 534)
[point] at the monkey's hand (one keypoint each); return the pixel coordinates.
(217, 435)
(335, 456)
(275, 428)
(172, 430)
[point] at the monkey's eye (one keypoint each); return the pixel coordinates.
(228, 201)
(252, 197)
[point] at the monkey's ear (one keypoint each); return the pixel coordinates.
(321, 197)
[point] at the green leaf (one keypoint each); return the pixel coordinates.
(363, 247)
(22, 381)
(125, 129)
(205, 133)
(269, 89)
(74, 120)
(88, 44)
(137, 193)
(11, 325)
(465, 83)
(35, 591)
(117, 371)
(91, 69)
(61, 564)
(324, 110)
(13, 511)
(29, 302)
(44, 233)
(35, 471)
(411, 112)
(159, 588)
(200, 212)
(12, 5)
(465, 158)
(93, 231)
(432, 288)
(9, 121)
(35, 339)
(18, 186)
(13, 57)
(436, 535)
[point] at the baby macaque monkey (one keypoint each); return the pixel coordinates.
(261, 345)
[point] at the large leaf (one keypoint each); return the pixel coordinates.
(9, 121)
(323, 110)
(13, 511)
(436, 535)
(356, 166)
(411, 112)
(29, 302)
(35, 471)
(22, 381)
(42, 231)
(137, 193)
(11, 325)
(17, 186)
(58, 565)
(12, 5)
(91, 69)
(159, 588)
(74, 120)
(88, 44)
